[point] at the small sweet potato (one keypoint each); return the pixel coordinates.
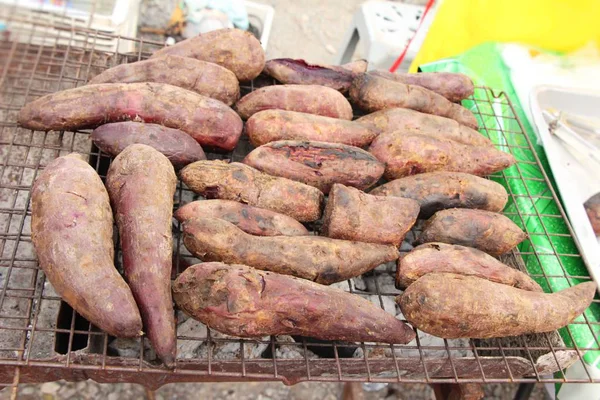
(315, 258)
(252, 220)
(207, 120)
(404, 121)
(373, 93)
(353, 215)
(241, 301)
(72, 231)
(456, 306)
(237, 50)
(202, 77)
(240, 182)
(179, 147)
(592, 208)
(295, 71)
(453, 86)
(357, 66)
(440, 257)
(487, 231)
(311, 99)
(272, 125)
(439, 190)
(317, 164)
(405, 155)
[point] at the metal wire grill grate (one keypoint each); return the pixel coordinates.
(46, 340)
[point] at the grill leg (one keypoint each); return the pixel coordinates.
(462, 391)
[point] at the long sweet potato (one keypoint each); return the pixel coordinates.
(440, 257)
(141, 184)
(296, 71)
(237, 50)
(207, 120)
(252, 220)
(439, 190)
(241, 301)
(457, 306)
(487, 231)
(317, 164)
(315, 258)
(72, 230)
(240, 182)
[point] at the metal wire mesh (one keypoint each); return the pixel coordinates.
(46, 340)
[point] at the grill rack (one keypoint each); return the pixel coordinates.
(30, 70)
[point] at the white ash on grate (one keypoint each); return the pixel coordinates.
(389, 267)
(130, 348)
(189, 348)
(42, 341)
(231, 350)
(287, 351)
(386, 283)
(389, 304)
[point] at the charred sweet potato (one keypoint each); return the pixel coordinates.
(373, 93)
(240, 182)
(179, 147)
(317, 164)
(315, 258)
(237, 50)
(241, 301)
(592, 208)
(437, 191)
(440, 257)
(487, 231)
(311, 99)
(295, 71)
(72, 231)
(207, 120)
(252, 220)
(272, 125)
(405, 155)
(353, 215)
(457, 306)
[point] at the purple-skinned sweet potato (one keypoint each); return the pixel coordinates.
(592, 208)
(242, 301)
(210, 122)
(300, 72)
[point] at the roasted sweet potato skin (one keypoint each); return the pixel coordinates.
(317, 164)
(457, 306)
(440, 190)
(237, 50)
(412, 154)
(272, 125)
(202, 77)
(252, 220)
(241, 301)
(441, 257)
(240, 182)
(356, 66)
(179, 147)
(311, 99)
(300, 72)
(353, 215)
(72, 230)
(592, 208)
(484, 230)
(319, 259)
(207, 120)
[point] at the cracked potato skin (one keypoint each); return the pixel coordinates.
(319, 259)
(300, 72)
(72, 232)
(245, 302)
(454, 306)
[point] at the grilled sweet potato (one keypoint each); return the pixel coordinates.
(440, 257)
(357, 66)
(241, 301)
(373, 93)
(202, 77)
(72, 229)
(272, 125)
(237, 50)
(487, 231)
(592, 208)
(405, 155)
(436, 191)
(317, 164)
(252, 220)
(311, 99)
(179, 147)
(141, 184)
(353, 215)
(207, 120)
(457, 306)
(240, 182)
(404, 121)
(295, 71)
(315, 258)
